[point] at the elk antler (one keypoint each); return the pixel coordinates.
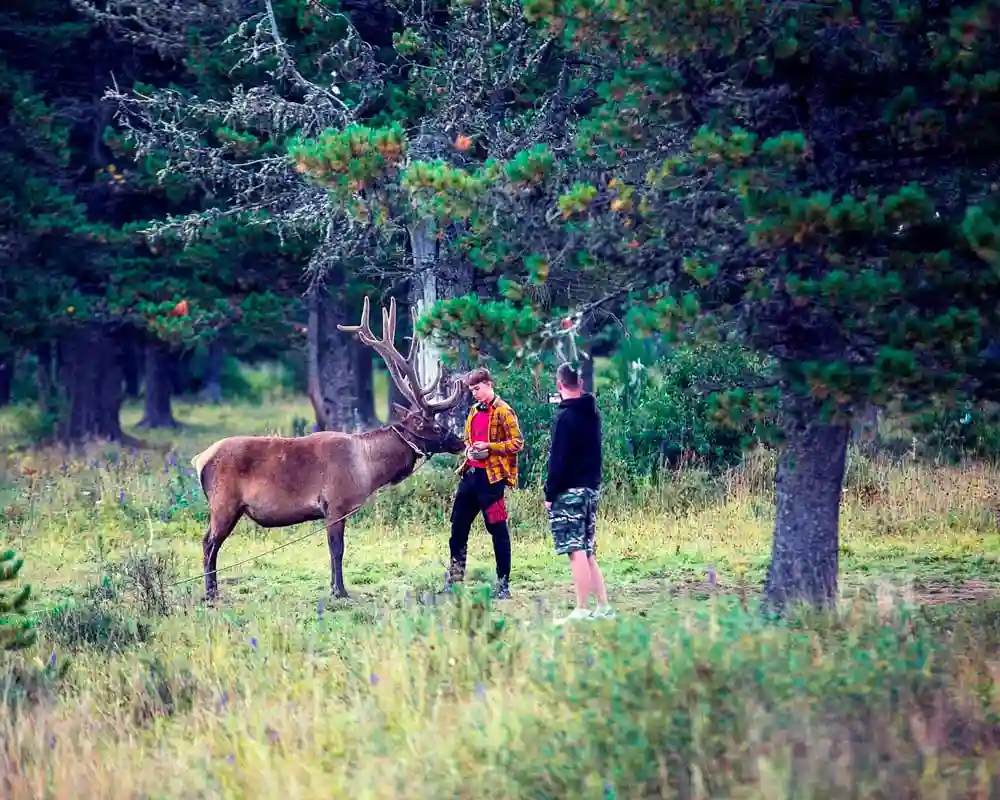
(401, 369)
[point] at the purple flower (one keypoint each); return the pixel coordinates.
(320, 607)
(122, 497)
(253, 642)
(224, 700)
(480, 690)
(373, 679)
(230, 759)
(711, 576)
(52, 659)
(52, 742)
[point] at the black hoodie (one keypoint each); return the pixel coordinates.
(575, 456)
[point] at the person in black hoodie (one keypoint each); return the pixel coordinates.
(572, 491)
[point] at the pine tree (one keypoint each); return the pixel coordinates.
(16, 630)
(821, 180)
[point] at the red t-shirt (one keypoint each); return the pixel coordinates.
(480, 433)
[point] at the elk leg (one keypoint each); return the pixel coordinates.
(220, 526)
(335, 540)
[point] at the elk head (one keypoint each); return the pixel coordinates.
(422, 429)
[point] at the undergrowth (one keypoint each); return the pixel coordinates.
(135, 688)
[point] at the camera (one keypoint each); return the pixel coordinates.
(555, 399)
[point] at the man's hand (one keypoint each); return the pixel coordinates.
(477, 451)
(548, 506)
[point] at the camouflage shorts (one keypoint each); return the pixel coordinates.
(573, 519)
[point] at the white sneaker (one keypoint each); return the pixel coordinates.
(607, 612)
(575, 614)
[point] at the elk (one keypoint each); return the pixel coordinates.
(279, 481)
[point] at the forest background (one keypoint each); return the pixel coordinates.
(768, 233)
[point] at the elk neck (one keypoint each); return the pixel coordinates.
(391, 458)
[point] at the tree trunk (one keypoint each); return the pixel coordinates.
(333, 382)
(159, 366)
(43, 376)
(424, 293)
(455, 278)
(6, 379)
(90, 375)
(130, 366)
(809, 483)
(212, 392)
(587, 369)
(365, 371)
(864, 431)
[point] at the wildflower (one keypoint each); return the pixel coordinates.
(373, 679)
(480, 690)
(253, 642)
(711, 576)
(52, 658)
(52, 742)
(320, 607)
(121, 497)
(230, 759)
(224, 700)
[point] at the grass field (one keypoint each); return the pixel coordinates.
(281, 692)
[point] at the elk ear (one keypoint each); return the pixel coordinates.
(401, 411)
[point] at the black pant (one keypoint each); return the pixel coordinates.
(475, 494)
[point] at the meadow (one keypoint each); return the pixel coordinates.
(137, 689)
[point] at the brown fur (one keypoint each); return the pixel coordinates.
(279, 481)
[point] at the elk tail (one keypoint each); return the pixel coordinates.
(200, 461)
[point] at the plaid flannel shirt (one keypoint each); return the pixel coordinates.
(505, 441)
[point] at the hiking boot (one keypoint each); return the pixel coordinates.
(501, 589)
(455, 573)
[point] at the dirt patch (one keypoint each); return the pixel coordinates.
(925, 593)
(933, 594)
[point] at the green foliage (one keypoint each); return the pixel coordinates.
(699, 677)
(864, 281)
(959, 431)
(658, 411)
(17, 630)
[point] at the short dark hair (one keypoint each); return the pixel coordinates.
(477, 376)
(568, 375)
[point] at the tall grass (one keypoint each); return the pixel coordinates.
(280, 691)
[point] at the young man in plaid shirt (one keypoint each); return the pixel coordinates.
(493, 440)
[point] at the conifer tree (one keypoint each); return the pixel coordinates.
(819, 179)
(16, 630)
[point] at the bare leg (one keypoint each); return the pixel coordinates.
(335, 540)
(597, 582)
(581, 576)
(220, 526)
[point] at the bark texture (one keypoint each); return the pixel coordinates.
(333, 381)
(212, 391)
(159, 374)
(90, 376)
(365, 372)
(809, 484)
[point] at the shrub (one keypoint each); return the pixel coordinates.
(965, 430)
(654, 410)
